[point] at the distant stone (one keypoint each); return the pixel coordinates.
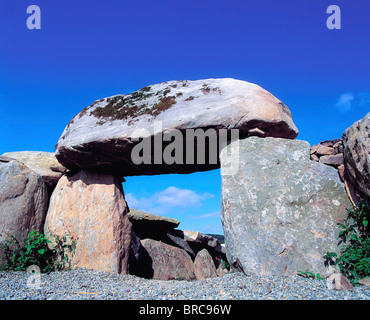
(356, 142)
(287, 218)
(40, 162)
(50, 177)
(166, 262)
(314, 148)
(325, 150)
(334, 160)
(91, 208)
(314, 157)
(147, 225)
(39, 159)
(195, 237)
(102, 136)
(204, 266)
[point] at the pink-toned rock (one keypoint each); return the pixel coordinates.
(23, 200)
(325, 151)
(204, 266)
(314, 148)
(333, 160)
(314, 157)
(364, 282)
(91, 208)
(338, 282)
(168, 262)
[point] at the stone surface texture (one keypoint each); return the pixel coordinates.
(204, 267)
(166, 262)
(356, 141)
(280, 210)
(91, 208)
(23, 200)
(101, 137)
(43, 163)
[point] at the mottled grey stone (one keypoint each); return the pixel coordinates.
(280, 210)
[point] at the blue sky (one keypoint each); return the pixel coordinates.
(87, 50)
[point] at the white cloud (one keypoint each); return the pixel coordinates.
(131, 200)
(175, 197)
(215, 214)
(166, 200)
(347, 101)
(344, 103)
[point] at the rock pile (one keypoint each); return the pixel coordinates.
(329, 152)
(160, 251)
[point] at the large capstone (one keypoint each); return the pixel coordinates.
(171, 127)
(280, 210)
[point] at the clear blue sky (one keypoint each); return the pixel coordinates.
(87, 50)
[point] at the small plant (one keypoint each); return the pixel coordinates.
(310, 275)
(354, 258)
(35, 250)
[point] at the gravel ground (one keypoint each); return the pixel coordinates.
(89, 284)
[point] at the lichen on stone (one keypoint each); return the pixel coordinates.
(122, 107)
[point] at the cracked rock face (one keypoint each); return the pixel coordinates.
(102, 136)
(280, 210)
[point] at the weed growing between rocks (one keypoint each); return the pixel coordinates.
(354, 258)
(37, 250)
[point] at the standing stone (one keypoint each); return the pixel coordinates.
(356, 142)
(204, 266)
(23, 199)
(280, 210)
(91, 208)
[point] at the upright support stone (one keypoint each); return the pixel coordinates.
(23, 201)
(280, 210)
(91, 208)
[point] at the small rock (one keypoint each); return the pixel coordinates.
(324, 150)
(204, 266)
(314, 148)
(332, 160)
(338, 282)
(364, 282)
(314, 157)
